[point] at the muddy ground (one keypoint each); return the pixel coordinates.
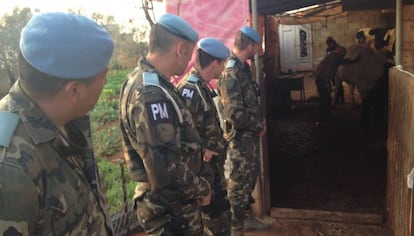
(333, 166)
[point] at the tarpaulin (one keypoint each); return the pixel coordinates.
(220, 19)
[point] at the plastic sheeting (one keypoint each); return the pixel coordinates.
(220, 19)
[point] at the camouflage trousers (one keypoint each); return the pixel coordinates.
(243, 153)
(159, 217)
(216, 216)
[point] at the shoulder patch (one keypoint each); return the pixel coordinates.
(187, 93)
(193, 79)
(159, 111)
(8, 123)
(150, 78)
(230, 63)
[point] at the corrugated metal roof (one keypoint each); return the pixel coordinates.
(272, 7)
(352, 5)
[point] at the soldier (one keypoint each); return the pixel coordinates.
(244, 124)
(198, 93)
(161, 143)
(49, 183)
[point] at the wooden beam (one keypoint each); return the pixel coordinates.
(330, 216)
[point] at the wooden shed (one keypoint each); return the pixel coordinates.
(342, 19)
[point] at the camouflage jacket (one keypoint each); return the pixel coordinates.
(239, 98)
(199, 100)
(49, 183)
(160, 141)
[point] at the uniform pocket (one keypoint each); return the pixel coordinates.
(151, 214)
(60, 210)
(58, 204)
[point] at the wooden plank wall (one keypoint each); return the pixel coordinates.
(400, 145)
(407, 39)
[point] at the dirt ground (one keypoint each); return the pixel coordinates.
(334, 166)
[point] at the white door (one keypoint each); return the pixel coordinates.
(295, 48)
(287, 48)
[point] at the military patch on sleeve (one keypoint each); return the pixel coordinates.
(187, 93)
(166, 132)
(230, 63)
(159, 111)
(8, 123)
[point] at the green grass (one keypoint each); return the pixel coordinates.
(107, 141)
(106, 137)
(107, 107)
(111, 173)
(104, 118)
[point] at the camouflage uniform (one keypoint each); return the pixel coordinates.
(163, 151)
(243, 122)
(199, 99)
(49, 184)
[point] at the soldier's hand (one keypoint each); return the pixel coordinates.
(208, 154)
(204, 201)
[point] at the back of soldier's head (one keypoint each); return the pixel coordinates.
(57, 47)
(168, 30)
(246, 36)
(37, 81)
(242, 42)
(209, 50)
(161, 40)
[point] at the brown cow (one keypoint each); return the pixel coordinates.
(367, 69)
(364, 72)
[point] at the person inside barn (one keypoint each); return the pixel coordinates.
(49, 181)
(325, 74)
(334, 47)
(331, 44)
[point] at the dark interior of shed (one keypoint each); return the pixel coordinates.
(332, 166)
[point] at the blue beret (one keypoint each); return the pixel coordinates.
(214, 47)
(251, 34)
(65, 45)
(178, 26)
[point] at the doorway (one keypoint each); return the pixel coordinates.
(336, 166)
